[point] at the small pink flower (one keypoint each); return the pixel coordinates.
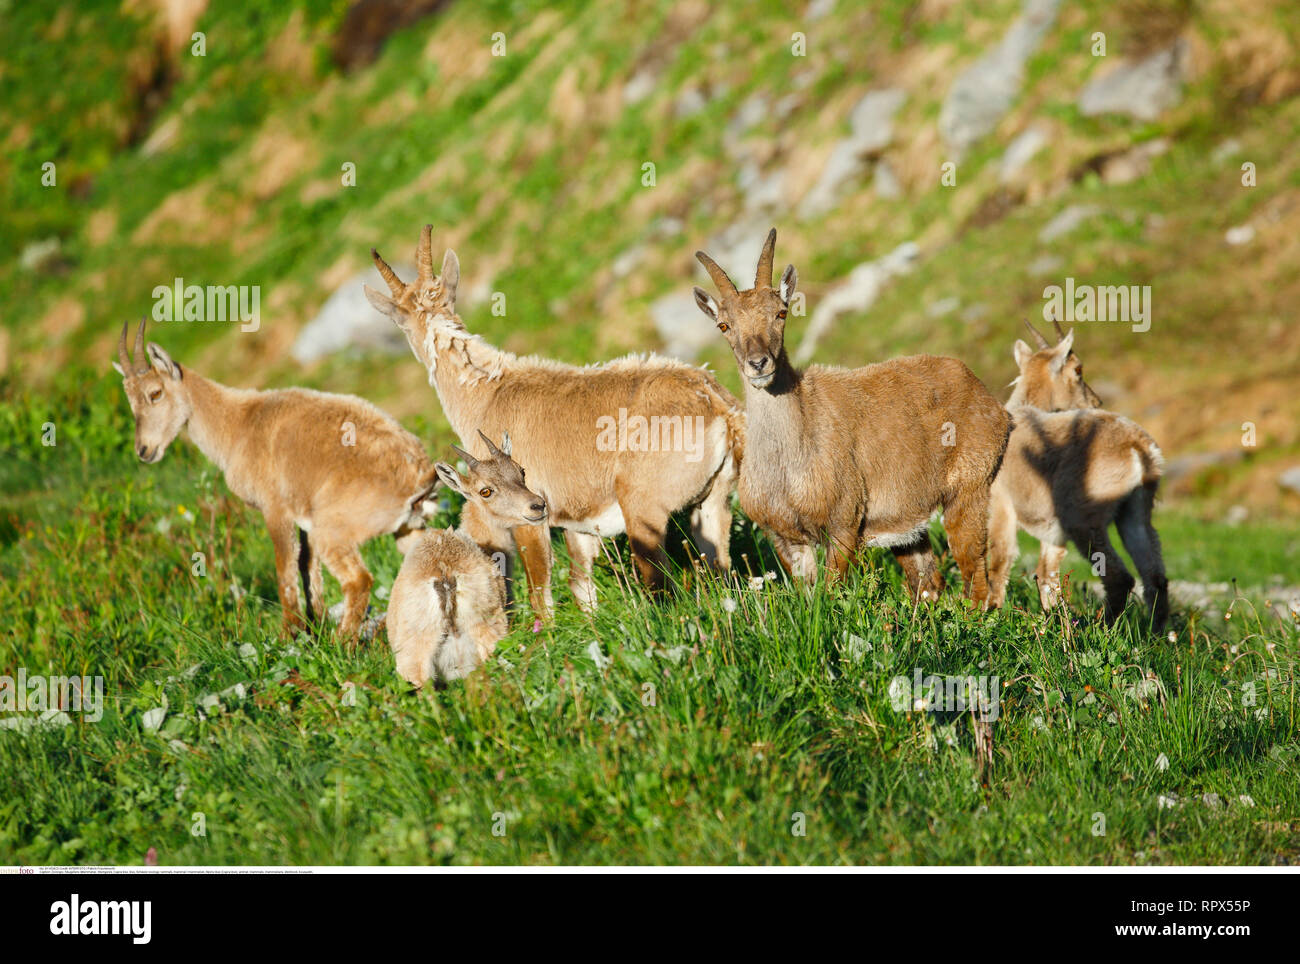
(151, 857)
(537, 625)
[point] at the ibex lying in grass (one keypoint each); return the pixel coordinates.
(1070, 471)
(333, 466)
(858, 457)
(447, 608)
(576, 431)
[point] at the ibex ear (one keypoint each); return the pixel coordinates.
(450, 477)
(789, 278)
(385, 306)
(1062, 351)
(706, 303)
(163, 362)
(450, 276)
(1022, 352)
(118, 368)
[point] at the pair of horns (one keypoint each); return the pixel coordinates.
(135, 362)
(493, 451)
(762, 277)
(423, 263)
(1039, 339)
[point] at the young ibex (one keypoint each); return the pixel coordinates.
(447, 608)
(1070, 471)
(858, 457)
(333, 466)
(614, 448)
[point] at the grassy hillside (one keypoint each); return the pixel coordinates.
(763, 704)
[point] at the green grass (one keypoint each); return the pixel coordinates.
(689, 731)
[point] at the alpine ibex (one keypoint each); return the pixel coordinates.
(447, 608)
(860, 457)
(1070, 471)
(333, 466)
(613, 448)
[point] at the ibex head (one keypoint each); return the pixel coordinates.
(753, 321)
(415, 306)
(1051, 376)
(495, 483)
(153, 388)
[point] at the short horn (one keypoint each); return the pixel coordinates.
(469, 459)
(395, 285)
(725, 286)
(424, 253)
(1060, 332)
(123, 359)
(1039, 340)
(492, 449)
(763, 277)
(137, 350)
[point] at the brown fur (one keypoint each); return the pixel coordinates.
(283, 452)
(1067, 476)
(447, 607)
(858, 457)
(552, 409)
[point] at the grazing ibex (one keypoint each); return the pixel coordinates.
(614, 448)
(860, 457)
(1070, 471)
(333, 466)
(447, 608)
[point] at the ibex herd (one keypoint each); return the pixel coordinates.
(845, 459)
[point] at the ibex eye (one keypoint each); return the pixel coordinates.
(154, 396)
(723, 327)
(781, 313)
(486, 493)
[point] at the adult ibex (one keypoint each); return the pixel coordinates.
(613, 448)
(858, 457)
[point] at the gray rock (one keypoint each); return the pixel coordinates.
(1045, 264)
(689, 102)
(1290, 479)
(1067, 221)
(1020, 152)
(39, 256)
(856, 293)
(983, 92)
(640, 86)
(1143, 88)
(1185, 465)
(871, 126)
(347, 320)
(682, 327)
(885, 184)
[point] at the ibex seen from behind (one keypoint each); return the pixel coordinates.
(860, 457)
(447, 608)
(597, 482)
(1069, 472)
(333, 466)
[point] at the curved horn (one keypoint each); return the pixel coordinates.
(725, 286)
(492, 449)
(424, 253)
(388, 274)
(1060, 332)
(469, 459)
(1038, 338)
(123, 359)
(763, 277)
(137, 350)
